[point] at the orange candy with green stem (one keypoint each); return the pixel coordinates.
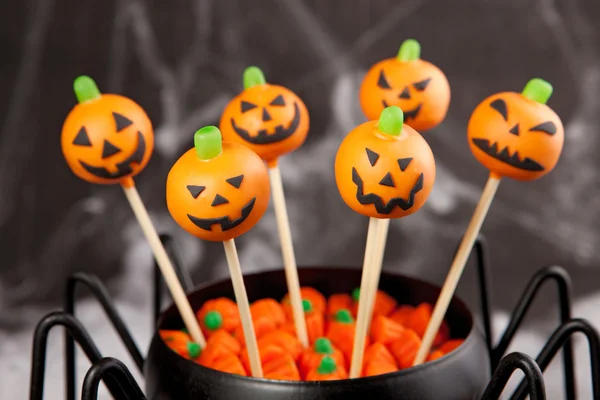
(517, 135)
(181, 343)
(417, 86)
(216, 314)
(328, 370)
(218, 190)
(269, 119)
(384, 168)
(311, 357)
(106, 138)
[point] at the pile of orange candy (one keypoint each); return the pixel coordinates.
(395, 335)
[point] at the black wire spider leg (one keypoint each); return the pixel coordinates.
(40, 341)
(557, 340)
(182, 274)
(101, 294)
(114, 368)
(563, 282)
(506, 367)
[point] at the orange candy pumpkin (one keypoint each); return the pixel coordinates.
(269, 308)
(418, 87)
(385, 169)
(328, 370)
(317, 301)
(312, 356)
(218, 190)
(337, 302)
(217, 314)
(404, 349)
(269, 119)
(384, 303)
(517, 135)
(106, 138)
(181, 343)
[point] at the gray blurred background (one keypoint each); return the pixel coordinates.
(182, 61)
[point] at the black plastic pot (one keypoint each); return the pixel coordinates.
(460, 375)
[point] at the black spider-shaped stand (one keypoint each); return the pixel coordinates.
(122, 385)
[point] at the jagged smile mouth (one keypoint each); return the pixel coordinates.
(123, 168)
(225, 222)
(408, 114)
(265, 137)
(504, 155)
(377, 201)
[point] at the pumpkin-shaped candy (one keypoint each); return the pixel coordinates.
(418, 87)
(328, 370)
(269, 119)
(106, 138)
(384, 169)
(312, 356)
(181, 343)
(217, 190)
(517, 135)
(218, 314)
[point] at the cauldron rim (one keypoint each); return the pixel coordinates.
(456, 300)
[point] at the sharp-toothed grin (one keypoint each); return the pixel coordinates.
(504, 155)
(225, 222)
(123, 168)
(265, 137)
(377, 201)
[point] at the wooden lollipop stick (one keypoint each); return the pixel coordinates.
(362, 322)
(289, 259)
(241, 298)
(441, 306)
(164, 263)
(379, 252)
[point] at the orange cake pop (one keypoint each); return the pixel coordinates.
(418, 87)
(218, 191)
(269, 119)
(514, 135)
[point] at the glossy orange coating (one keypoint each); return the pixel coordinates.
(269, 308)
(417, 86)
(405, 348)
(515, 136)
(227, 311)
(398, 170)
(229, 363)
(107, 139)
(269, 119)
(385, 330)
(419, 320)
(220, 198)
(311, 356)
(337, 302)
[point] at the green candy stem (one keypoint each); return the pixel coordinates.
(391, 120)
(253, 76)
(356, 294)
(343, 316)
(410, 50)
(306, 305)
(538, 90)
(213, 320)
(85, 89)
(194, 349)
(208, 142)
(327, 366)
(323, 346)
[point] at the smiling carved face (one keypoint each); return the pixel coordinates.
(107, 140)
(220, 198)
(418, 87)
(515, 136)
(269, 119)
(384, 176)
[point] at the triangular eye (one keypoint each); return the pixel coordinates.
(546, 127)
(121, 121)
(247, 106)
(218, 200)
(500, 106)
(403, 163)
(387, 180)
(236, 181)
(420, 86)
(195, 190)
(278, 101)
(382, 82)
(373, 157)
(82, 138)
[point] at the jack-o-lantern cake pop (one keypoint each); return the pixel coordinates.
(384, 169)
(269, 119)
(514, 135)
(417, 86)
(106, 138)
(218, 191)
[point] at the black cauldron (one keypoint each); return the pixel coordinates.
(460, 375)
